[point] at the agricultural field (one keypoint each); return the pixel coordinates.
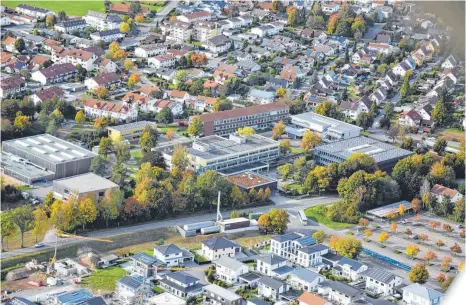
(72, 8)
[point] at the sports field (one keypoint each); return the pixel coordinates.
(71, 7)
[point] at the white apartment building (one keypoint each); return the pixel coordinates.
(349, 268)
(149, 50)
(76, 56)
(55, 74)
(102, 21)
(70, 26)
(269, 287)
(195, 16)
(172, 255)
(330, 8)
(229, 269)
(162, 61)
(177, 31)
(265, 30)
(204, 31)
(311, 256)
(287, 245)
(108, 35)
(304, 279)
(268, 263)
(33, 11)
(216, 247)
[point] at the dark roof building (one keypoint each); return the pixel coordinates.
(218, 243)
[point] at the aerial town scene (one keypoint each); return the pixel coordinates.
(233, 152)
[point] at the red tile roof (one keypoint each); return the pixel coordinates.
(441, 190)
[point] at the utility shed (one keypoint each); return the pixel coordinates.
(82, 185)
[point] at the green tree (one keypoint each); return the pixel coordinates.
(319, 236)
(292, 17)
(48, 201)
(329, 109)
(149, 138)
(23, 217)
(105, 146)
(99, 166)
(180, 157)
(440, 145)
(285, 146)
(181, 77)
(278, 220)
(39, 225)
(8, 226)
(285, 170)
(234, 214)
(122, 152)
(196, 127)
(419, 274)
(20, 45)
(110, 206)
(364, 120)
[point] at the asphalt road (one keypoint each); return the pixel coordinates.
(280, 202)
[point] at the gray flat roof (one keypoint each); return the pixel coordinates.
(86, 183)
(388, 209)
(50, 148)
(224, 293)
(133, 125)
(324, 121)
(378, 150)
(21, 167)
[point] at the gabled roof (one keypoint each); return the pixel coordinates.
(219, 243)
(441, 190)
(228, 262)
(271, 259)
(379, 274)
(414, 115)
(168, 249)
(342, 288)
(423, 292)
(366, 101)
(308, 298)
(354, 264)
(49, 93)
(182, 277)
(132, 282)
(106, 78)
(271, 282)
(286, 237)
(145, 259)
(305, 275)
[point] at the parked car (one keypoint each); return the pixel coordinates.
(416, 236)
(460, 226)
(39, 245)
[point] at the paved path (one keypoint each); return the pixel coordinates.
(280, 202)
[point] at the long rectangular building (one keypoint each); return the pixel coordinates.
(228, 156)
(384, 154)
(51, 154)
(260, 116)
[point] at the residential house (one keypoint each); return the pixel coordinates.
(308, 298)
(391, 78)
(11, 86)
(304, 279)
(381, 282)
(349, 268)
(416, 293)
(311, 256)
(105, 80)
(384, 12)
(162, 61)
(102, 21)
(261, 97)
(353, 109)
(202, 103)
(179, 96)
(71, 297)
(129, 288)
(224, 72)
(266, 264)
(216, 295)
(216, 247)
(380, 47)
(324, 49)
(338, 292)
(124, 9)
(441, 192)
(450, 62)
(106, 66)
(145, 265)
(287, 245)
(403, 67)
(150, 91)
(96, 108)
(229, 270)
(150, 50)
(379, 95)
(330, 7)
(8, 44)
(265, 30)
(107, 35)
(43, 95)
(33, 11)
(55, 74)
(383, 38)
(248, 66)
(6, 57)
(175, 108)
(195, 17)
(269, 287)
(292, 74)
(70, 26)
(181, 284)
(204, 31)
(411, 118)
(218, 44)
(172, 255)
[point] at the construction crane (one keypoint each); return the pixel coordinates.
(58, 232)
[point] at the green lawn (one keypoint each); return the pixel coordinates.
(157, 8)
(137, 154)
(72, 8)
(313, 213)
(296, 150)
(104, 279)
(365, 133)
(158, 290)
(296, 186)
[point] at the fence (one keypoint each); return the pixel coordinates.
(386, 259)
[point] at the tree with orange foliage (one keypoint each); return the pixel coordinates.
(393, 227)
(139, 18)
(447, 227)
(440, 278)
(445, 264)
(134, 79)
(416, 205)
(456, 249)
(423, 237)
(363, 222)
(440, 243)
(198, 59)
(408, 231)
(412, 251)
(429, 256)
(332, 23)
(332, 242)
(170, 134)
(120, 54)
(462, 233)
(434, 224)
(401, 209)
(173, 18)
(368, 234)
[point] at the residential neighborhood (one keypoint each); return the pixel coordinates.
(232, 152)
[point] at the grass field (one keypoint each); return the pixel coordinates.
(453, 134)
(14, 242)
(72, 8)
(296, 150)
(313, 214)
(104, 279)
